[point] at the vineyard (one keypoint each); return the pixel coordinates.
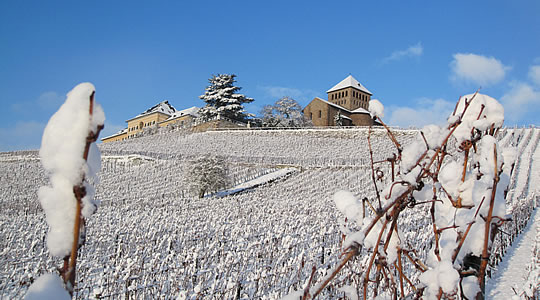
(151, 238)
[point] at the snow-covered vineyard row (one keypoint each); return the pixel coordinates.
(151, 239)
(309, 147)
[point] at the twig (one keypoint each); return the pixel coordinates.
(392, 137)
(373, 168)
(458, 248)
(375, 251)
(485, 251)
(79, 191)
(306, 290)
(350, 255)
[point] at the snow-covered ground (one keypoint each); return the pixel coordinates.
(151, 239)
(256, 182)
(510, 278)
(511, 272)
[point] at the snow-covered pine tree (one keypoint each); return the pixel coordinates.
(222, 99)
(338, 119)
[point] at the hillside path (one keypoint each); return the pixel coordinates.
(512, 269)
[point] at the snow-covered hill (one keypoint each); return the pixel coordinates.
(151, 239)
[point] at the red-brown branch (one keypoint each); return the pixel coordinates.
(485, 251)
(79, 193)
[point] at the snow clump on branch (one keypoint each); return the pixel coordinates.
(458, 171)
(47, 287)
(62, 149)
(376, 108)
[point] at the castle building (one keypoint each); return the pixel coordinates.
(160, 115)
(347, 105)
(347, 102)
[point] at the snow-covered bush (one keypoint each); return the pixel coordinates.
(206, 174)
(455, 170)
(69, 155)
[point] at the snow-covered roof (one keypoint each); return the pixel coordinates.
(116, 134)
(350, 81)
(356, 111)
(194, 111)
(360, 111)
(163, 107)
(333, 104)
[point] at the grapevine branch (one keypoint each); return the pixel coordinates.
(70, 263)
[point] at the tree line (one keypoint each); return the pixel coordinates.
(222, 99)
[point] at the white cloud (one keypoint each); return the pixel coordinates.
(521, 100)
(478, 69)
(22, 136)
(534, 74)
(299, 95)
(47, 101)
(412, 51)
(425, 112)
(50, 100)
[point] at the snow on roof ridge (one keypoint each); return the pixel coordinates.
(163, 106)
(358, 110)
(334, 105)
(115, 134)
(349, 81)
(194, 111)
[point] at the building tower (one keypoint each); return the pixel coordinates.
(349, 94)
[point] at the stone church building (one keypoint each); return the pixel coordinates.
(348, 100)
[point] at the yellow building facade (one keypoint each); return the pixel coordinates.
(160, 115)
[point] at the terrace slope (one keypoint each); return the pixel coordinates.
(151, 239)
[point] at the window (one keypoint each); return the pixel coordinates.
(311, 116)
(346, 93)
(320, 114)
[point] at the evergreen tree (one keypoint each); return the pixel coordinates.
(222, 99)
(338, 119)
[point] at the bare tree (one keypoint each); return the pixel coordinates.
(206, 174)
(285, 112)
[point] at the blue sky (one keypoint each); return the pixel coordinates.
(417, 57)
